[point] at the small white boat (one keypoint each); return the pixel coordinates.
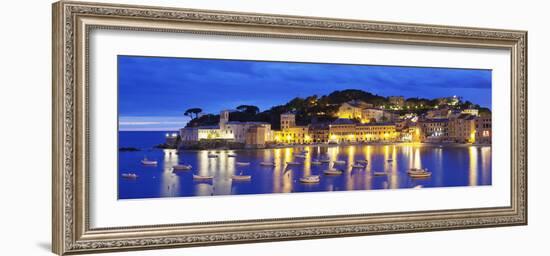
(333, 172)
(242, 163)
(146, 161)
(339, 162)
(292, 163)
(300, 156)
(324, 160)
(212, 155)
(130, 175)
(241, 177)
(316, 162)
(420, 175)
(379, 173)
(231, 155)
(310, 179)
(358, 166)
(267, 163)
(362, 162)
(416, 170)
(182, 167)
(202, 177)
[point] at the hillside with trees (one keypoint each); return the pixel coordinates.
(313, 109)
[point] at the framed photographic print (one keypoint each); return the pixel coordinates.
(178, 127)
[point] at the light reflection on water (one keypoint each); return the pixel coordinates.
(450, 166)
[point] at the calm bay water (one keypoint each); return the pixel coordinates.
(458, 165)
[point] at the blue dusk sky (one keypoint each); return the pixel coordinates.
(154, 92)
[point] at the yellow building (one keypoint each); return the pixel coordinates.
(345, 130)
(290, 133)
(384, 132)
(342, 130)
(293, 135)
(352, 109)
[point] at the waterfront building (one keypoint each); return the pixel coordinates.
(199, 133)
(483, 129)
(462, 129)
(257, 136)
(383, 132)
(290, 133)
(293, 135)
(434, 130)
(346, 130)
(397, 100)
(342, 130)
(171, 139)
(233, 131)
(319, 133)
(239, 130)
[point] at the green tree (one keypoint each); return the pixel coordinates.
(193, 111)
(249, 109)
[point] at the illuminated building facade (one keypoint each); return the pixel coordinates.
(471, 111)
(345, 130)
(462, 129)
(434, 130)
(319, 133)
(230, 131)
(483, 129)
(290, 133)
(384, 132)
(352, 109)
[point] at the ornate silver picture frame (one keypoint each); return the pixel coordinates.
(72, 24)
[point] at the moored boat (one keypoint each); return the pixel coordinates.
(333, 172)
(231, 155)
(130, 175)
(339, 162)
(242, 163)
(267, 163)
(420, 175)
(358, 166)
(324, 160)
(182, 167)
(362, 162)
(241, 177)
(316, 162)
(146, 161)
(202, 177)
(212, 155)
(416, 170)
(378, 173)
(310, 179)
(389, 160)
(300, 156)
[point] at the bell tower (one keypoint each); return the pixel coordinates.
(224, 118)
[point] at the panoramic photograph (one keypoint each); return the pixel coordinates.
(191, 127)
